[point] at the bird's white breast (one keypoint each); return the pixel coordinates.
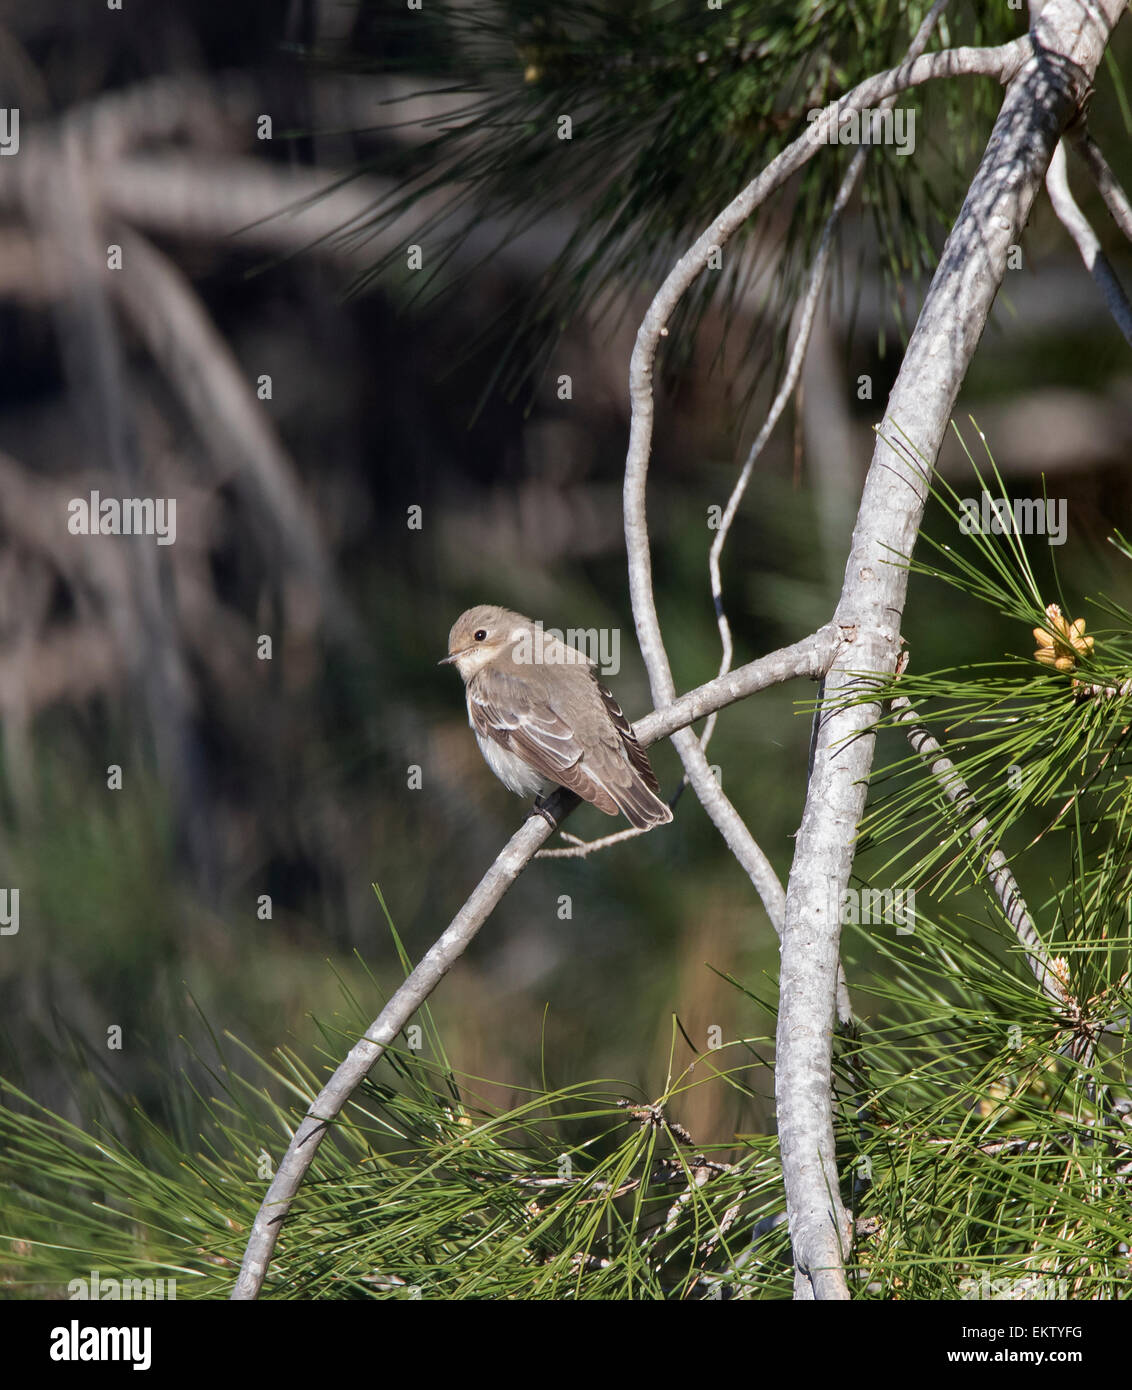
(512, 771)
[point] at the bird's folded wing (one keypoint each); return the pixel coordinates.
(633, 749)
(539, 735)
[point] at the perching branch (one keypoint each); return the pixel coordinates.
(806, 658)
(1077, 225)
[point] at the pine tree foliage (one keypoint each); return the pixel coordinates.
(673, 108)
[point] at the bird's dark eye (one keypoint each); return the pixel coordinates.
(480, 634)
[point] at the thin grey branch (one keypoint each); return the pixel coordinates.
(818, 272)
(1077, 225)
(1116, 200)
(785, 391)
(998, 871)
(810, 657)
(806, 658)
(1001, 63)
(582, 849)
(998, 62)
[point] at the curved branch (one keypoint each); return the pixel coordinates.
(789, 382)
(818, 271)
(999, 62)
(785, 391)
(1077, 225)
(1116, 200)
(806, 658)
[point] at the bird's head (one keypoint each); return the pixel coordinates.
(480, 635)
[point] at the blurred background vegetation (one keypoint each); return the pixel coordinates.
(291, 777)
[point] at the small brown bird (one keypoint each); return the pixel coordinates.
(543, 719)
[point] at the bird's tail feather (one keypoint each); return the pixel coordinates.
(640, 806)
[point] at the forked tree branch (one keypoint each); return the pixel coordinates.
(1065, 46)
(1029, 73)
(1047, 74)
(998, 62)
(1001, 63)
(810, 657)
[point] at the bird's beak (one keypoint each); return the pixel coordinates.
(448, 660)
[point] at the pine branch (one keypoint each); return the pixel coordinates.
(806, 658)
